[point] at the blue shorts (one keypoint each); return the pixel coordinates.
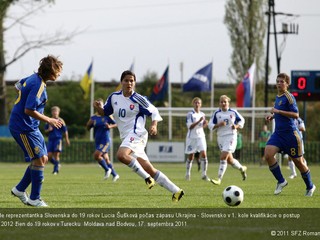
(54, 145)
(288, 142)
(103, 147)
(31, 143)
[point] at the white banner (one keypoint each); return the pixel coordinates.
(166, 151)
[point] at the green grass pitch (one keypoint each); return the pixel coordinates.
(79, 190)
(82, 186)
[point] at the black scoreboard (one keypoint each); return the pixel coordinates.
(305, 85)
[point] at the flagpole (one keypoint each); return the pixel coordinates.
(91, 102)
(181, 75)
(212, 99)
(170, 104)
(212, 90)
(253, 103)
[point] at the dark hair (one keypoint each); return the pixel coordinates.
(285, 77)
(127, 72)
(49, 67)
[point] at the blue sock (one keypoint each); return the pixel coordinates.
(307, 179)
(36, 181)
(25, 181)
(275, 169)
(113, 172)
(53, 161)
(56, 166)
(103, 164)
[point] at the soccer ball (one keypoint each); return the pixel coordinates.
(232, 195)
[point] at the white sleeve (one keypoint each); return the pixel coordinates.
(211, 124)
(242, 121)
(189, 120)
(155, 115)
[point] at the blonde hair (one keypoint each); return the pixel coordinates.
(97, 100)
(196, 99)
(225, 97)
(55, 108)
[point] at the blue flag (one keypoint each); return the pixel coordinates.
(200, 81)
(161, 88)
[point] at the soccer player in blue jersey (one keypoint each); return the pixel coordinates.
(101, 126)
(286, 136)
(130, 111)
(24, 123)
(56, 135)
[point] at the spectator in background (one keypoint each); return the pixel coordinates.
(263, 138)
(55, 137)
(237, 152)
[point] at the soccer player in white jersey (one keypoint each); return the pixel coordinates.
(227, 121)
(300, 125)
(196, 139)
(130, 111)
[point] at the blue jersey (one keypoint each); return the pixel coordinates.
(101, 131)
(285, 102)
(286, 135)
(32, 96)
(56, 133)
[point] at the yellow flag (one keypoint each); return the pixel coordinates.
(86, 81)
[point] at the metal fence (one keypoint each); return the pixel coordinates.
(172, 128)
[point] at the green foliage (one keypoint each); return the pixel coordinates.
(76, 111)
(246, 26)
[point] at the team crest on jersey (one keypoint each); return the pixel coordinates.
(231, 116)
(36, 150)
(131, 139)
(131, 106)
(280, 102)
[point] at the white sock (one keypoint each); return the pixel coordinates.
(222, 168)
(292, 167)
(138, 169)
(189, 166)
(204, 166)
(236, 164)
(165, 182)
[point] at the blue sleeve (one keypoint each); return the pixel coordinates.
(32, 100)
(107, 108)
(64, 128)
(214, 119)
(110, 120)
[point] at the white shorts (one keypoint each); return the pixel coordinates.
(227, 143)
(137, 144)
(194, 145)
